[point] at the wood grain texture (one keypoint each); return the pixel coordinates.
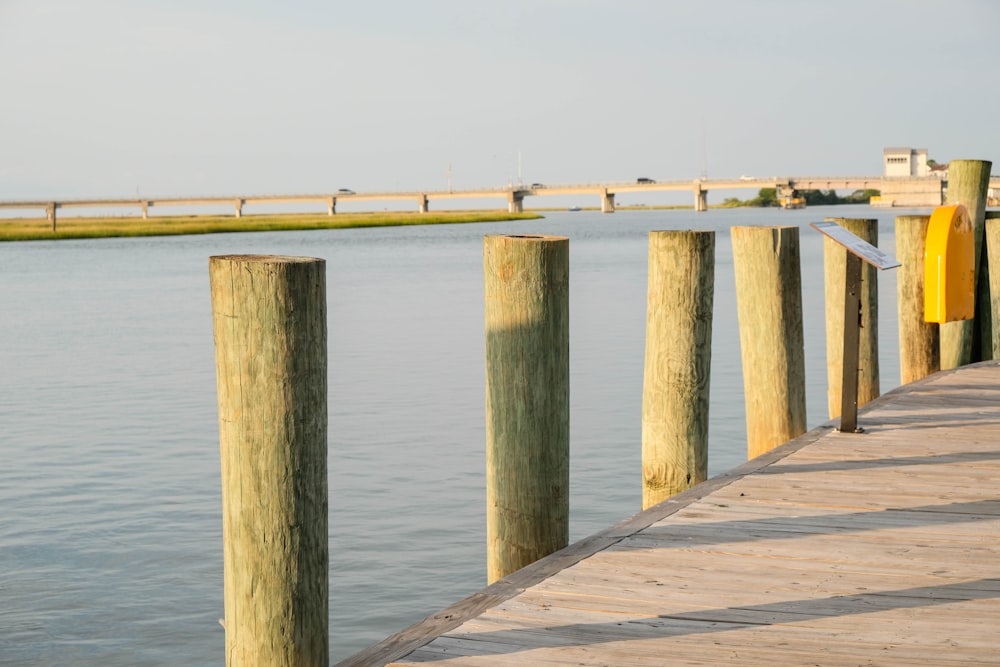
(678, 362)
(269, 322)
(527, 399)
(769, 307)
(968, 182)
(991, 237)
(834, 261)
(919, 342)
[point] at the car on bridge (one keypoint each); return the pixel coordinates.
(535, 186)
(643, 180)
(345, 191)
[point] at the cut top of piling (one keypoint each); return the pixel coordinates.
(541, 238)
(265, 259)
(524, 267)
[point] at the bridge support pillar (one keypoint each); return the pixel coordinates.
(331, 206)
(607, 202)
(515, 202)
(50, 213)
(145, 210)
(700, 199)
(785, 191)
(422, 201)
(239, 207)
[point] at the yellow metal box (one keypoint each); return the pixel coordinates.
(949, 266)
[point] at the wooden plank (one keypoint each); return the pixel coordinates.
(746, 514)
(670, 636)
(703, 643)
(705, 588)
(880, 548)
(501, 623)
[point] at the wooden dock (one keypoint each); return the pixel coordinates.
(879, 548)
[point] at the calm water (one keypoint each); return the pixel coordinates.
(110, 543)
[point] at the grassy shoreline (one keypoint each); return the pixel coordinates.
(40, 229)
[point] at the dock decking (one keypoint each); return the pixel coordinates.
(880, 548)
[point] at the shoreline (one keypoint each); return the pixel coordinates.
(40, 229)
(14, 229)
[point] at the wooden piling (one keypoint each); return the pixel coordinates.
(991, 234)
(769, 306)
(834, 267)
(968, 182)
(678, 363)
(919, 341)
(269, 322)
(527, 399)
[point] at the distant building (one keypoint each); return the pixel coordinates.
(905, 162)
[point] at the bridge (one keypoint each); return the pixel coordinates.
(898, 191)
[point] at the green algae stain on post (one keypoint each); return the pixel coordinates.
(526, 281)
(269, 323)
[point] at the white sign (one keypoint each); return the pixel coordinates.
(856, 245)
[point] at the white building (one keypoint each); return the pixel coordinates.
(906, 162)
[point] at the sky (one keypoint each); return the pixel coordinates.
(119, 98)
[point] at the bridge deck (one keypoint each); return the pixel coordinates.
(881, 548)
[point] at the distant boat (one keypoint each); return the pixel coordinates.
(574, 208)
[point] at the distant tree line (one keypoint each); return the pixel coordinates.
(769, 197)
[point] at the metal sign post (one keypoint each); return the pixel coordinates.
(857, 249)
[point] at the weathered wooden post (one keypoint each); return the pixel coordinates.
(992, 236)
(859, 253)
(919, 342)
(835, 258)
(968, 182)
(527, 399)
(678, 362)
(769, 306)
(269, 322)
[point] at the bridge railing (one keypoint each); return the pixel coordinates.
(607, 187)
